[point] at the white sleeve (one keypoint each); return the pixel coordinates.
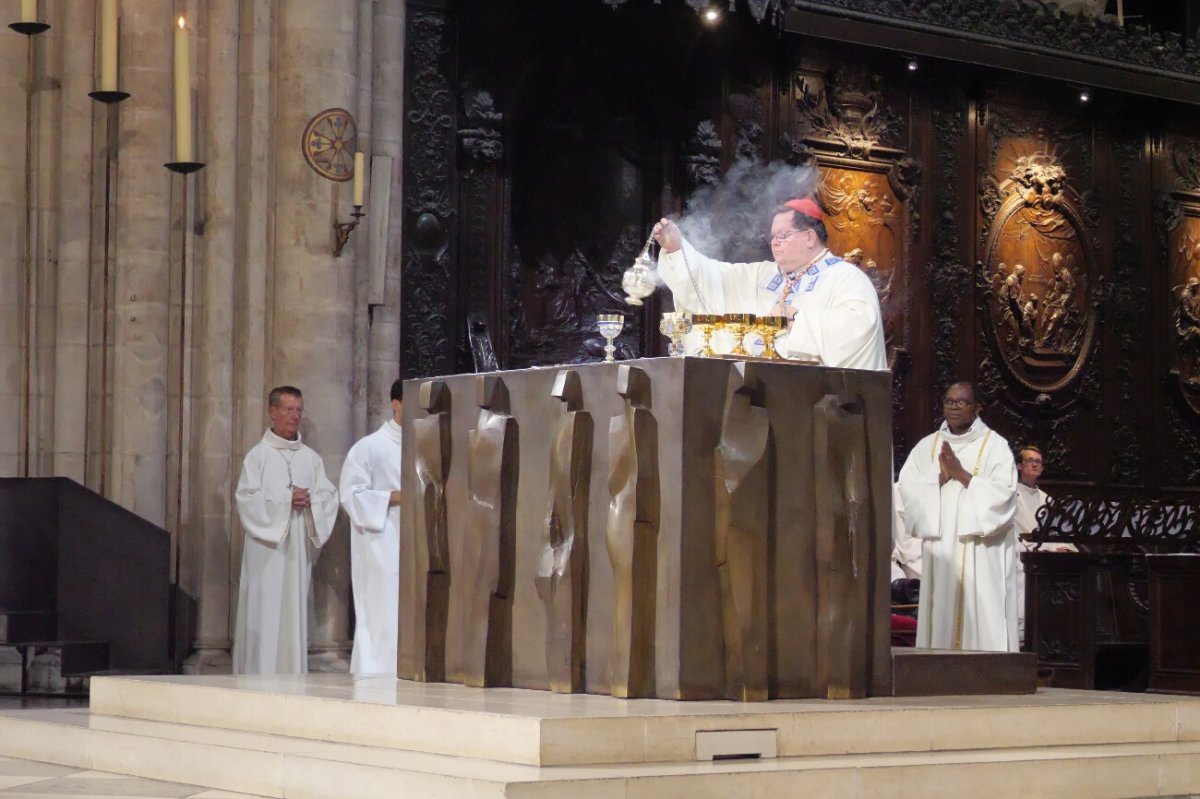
(722, 287)
(324, 507)
(367, 506)
(264, 514)
(988, 504)
(921, 498)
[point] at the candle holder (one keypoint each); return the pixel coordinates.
(739, 324)
(111, 97)
(29, 28)
(769, 327)
(342, 230)
(610, 326)
(706, 323)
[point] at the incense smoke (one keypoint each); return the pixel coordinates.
(731, 219)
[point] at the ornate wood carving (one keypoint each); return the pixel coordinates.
(562, 573)
(428, 197)
(1039, 269)
(489, 541)
(631, 534)
(741, 535)
(432, 444)
(1126, 303)
(1038, 27)
(845, 115)
(948, 277)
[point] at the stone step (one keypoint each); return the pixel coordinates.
(540, 728)
(282, 766)
(19, 626)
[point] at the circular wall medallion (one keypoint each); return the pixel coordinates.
(329, 144)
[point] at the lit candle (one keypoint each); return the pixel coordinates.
(183, 95)
(108, 46)
(29, 10)
(359, 170)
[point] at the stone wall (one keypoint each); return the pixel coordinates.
(162, 308)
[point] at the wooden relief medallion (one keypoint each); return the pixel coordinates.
(1038, 265)
(1180, 218)
(329, 142)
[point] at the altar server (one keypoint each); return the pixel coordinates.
(959, 492)
(370, 493)
(287, 507)
(832, 308)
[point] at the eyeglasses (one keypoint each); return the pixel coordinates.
(957, 403)
(1033, 461)
(780, 238)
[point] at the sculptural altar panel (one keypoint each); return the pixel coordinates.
(698, 523)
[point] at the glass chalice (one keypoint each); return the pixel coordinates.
(610, 326)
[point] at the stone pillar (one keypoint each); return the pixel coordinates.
(82, 119)
(311, 343)
(141, 270)
(13, 228)
(205, 569)
(387, 133)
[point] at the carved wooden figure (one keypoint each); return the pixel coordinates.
(488, 557)
(631, 534)
(741, 536)
(844, 547)
(432, 444)
(562, 569)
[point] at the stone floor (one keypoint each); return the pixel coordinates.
(25, 779)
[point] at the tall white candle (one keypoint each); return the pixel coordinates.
(183, 95)
(29, 10)
(108, 45)
(360, 167)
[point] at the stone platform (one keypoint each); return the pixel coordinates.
(331, 736)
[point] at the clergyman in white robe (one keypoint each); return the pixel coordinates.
(281, 545)
(839, 322)
(369, 476)
(969, 596)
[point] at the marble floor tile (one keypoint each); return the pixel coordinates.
(109, 786)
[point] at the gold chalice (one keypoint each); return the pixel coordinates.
(739, 324)
(769, 327)
(706, 323)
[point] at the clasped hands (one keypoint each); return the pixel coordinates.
(779, 309)
(300, 498)
(951, 468)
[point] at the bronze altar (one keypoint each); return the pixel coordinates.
(681, 528)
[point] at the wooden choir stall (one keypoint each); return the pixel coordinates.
(681, 528)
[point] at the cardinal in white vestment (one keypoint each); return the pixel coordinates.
(832, 307)
(959, 492)
(287, 507)
(370, 493)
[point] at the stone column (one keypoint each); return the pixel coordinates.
(387, 133)
(205, 568)
(311, 343)
(142, 266)
(76, 173)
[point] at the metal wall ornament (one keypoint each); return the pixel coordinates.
(329, 142)
(1035, 278)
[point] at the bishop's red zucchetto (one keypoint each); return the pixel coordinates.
(806, 207)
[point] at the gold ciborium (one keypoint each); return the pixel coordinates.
(675, 326)
(769, 327)
(638, 280)
(706, 323)
(739, 324)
